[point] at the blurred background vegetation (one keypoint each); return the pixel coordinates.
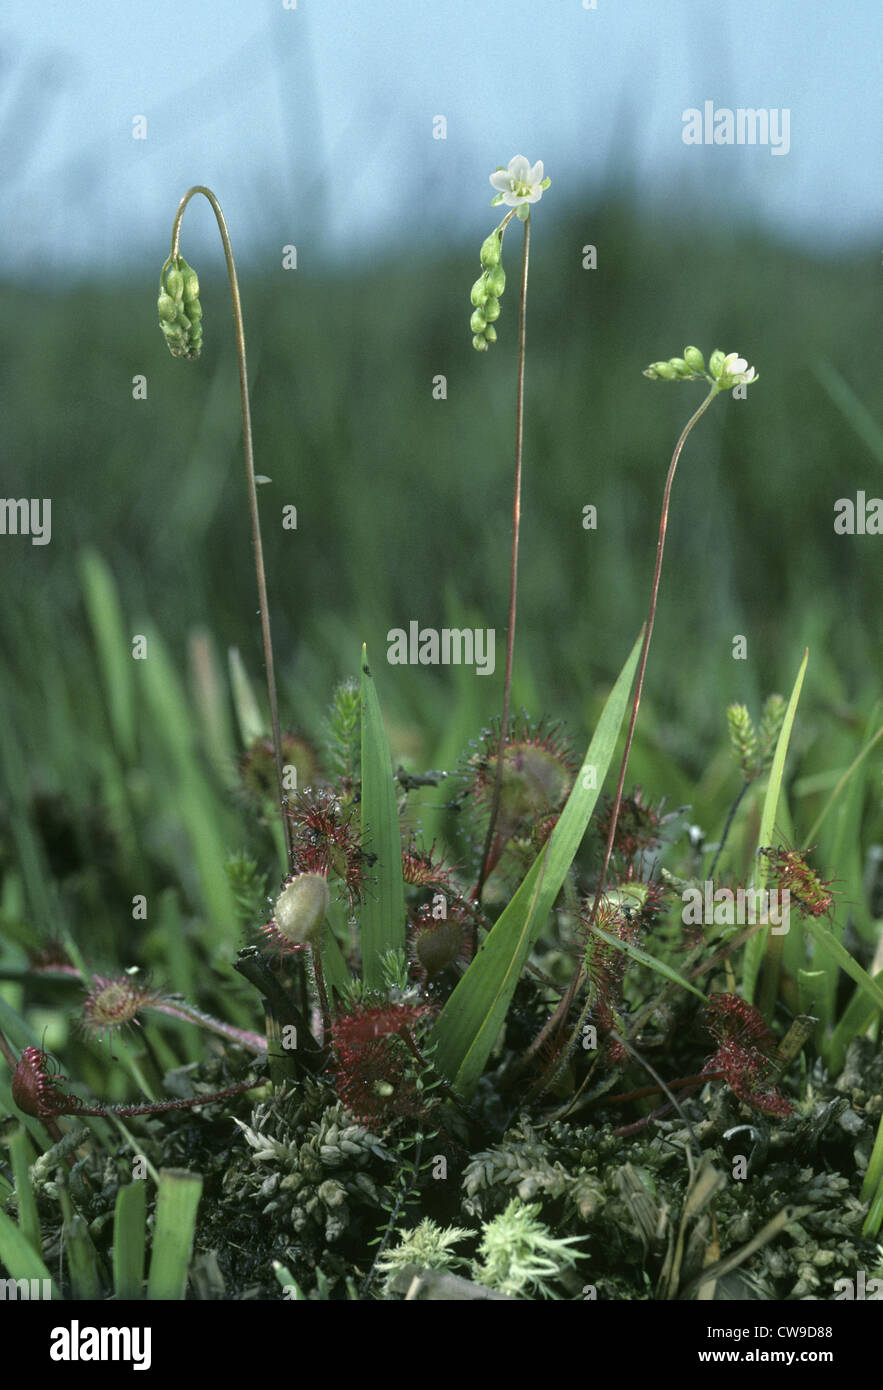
(118, 776)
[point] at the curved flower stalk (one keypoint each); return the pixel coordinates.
(518, 186)
(180, 317)
(725, 371)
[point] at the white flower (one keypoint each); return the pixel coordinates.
(520, 183)
(736, 371)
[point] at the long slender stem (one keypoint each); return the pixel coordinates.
(558, 1019)
(252, 488)
(178, 1008)
(321, 991)
(159, 1107)
(489, 847)
(730, 818)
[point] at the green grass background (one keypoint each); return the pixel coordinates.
(115, 775)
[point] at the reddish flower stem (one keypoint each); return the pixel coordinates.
(491, 849)
(557, 1022)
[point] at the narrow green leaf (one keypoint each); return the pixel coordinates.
(23, 1156)
(285, 1277)
(176, 1204)
(645, 958)
(252, 724)
(854, 1021)
(82, 1260)
(874, 1175)
(856, 762)
(20, 1257)
(114, 647)
(383, 911)
(809, 988)
(334, 966)
(874, 1218)
(470, 1021)
(754, 949)
(842, 957)
(128, 1240)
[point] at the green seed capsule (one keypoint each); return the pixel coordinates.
(479, 292)
(174, 282)
(491, 251)
(496, 281)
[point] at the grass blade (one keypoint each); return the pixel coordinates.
(855, 1020)
(176, 1204)
(755, 948)
(859, 758)
(20, 1257)
(114, 648)
(645, 958)
(22, 1156)
(383, 912)
(471, 1019)
(82, 1260)
(128, 1240)
(851, 967)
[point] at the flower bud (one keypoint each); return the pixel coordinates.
(664, 370)
(490, 333)
(478, 322)
(438, 946)
(491, 251)
(174, 282)
(496, 281)
(491, 310)
(694, 359)
(480, 291)
(716, 362)
(679, 365)
(479, 343)
(180, 312)
(301, 907)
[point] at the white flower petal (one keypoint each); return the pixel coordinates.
(518, 169)
(535, 175)
(501, 181)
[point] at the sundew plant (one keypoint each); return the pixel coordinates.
(572, 1047)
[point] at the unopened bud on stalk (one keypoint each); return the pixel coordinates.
(180, 312)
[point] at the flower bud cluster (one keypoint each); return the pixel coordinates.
(486, 292)
(180, 312)
(725, 370)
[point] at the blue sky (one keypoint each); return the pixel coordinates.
(315, 125)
